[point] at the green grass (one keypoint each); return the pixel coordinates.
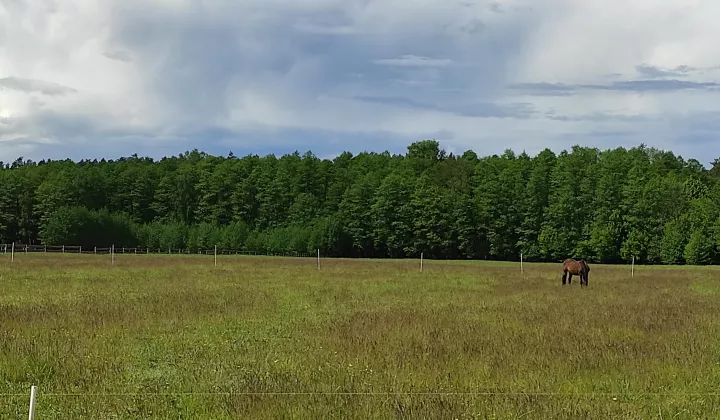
(176, 337)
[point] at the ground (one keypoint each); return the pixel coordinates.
(269, 337)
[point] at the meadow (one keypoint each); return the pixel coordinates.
(269, 337)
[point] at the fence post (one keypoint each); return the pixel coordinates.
(31, 413)
(12, 253)
(422, 255)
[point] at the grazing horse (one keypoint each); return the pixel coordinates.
(575, 267)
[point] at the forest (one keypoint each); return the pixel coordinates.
(606, 206)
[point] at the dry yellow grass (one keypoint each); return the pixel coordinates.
(176, 337)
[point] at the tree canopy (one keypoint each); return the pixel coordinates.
(605, 206)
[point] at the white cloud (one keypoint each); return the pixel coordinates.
(131, 76)
(578, 41)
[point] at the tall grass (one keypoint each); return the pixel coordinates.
(269, 338)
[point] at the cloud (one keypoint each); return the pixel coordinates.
(123, 56)
(653, 85)
(468, 109)
(599, 117)
(414, 61)
(544, 88)
(657, 72)
(93, 78)
(560, 89)
(30, 85)
(497, 7)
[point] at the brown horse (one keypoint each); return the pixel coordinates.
(575, 267)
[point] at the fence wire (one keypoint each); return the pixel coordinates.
(74, 249)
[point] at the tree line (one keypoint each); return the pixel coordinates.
(602, 205)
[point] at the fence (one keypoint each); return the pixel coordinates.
(74, 249)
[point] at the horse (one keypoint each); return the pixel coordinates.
(575, 267)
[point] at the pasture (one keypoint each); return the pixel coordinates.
(269, 338)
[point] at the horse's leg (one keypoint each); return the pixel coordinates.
(564, 277)
(570, 274)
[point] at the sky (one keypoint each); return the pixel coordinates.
(85, 79)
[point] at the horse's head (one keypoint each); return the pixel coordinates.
(585, 269)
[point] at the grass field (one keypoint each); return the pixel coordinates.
(269, 338)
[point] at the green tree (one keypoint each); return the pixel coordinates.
(432, 229)
(608, 206)
(566, 228)
(673, 243)
(391, 215)
(537, 198)
(355, 214)
(700, 249)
